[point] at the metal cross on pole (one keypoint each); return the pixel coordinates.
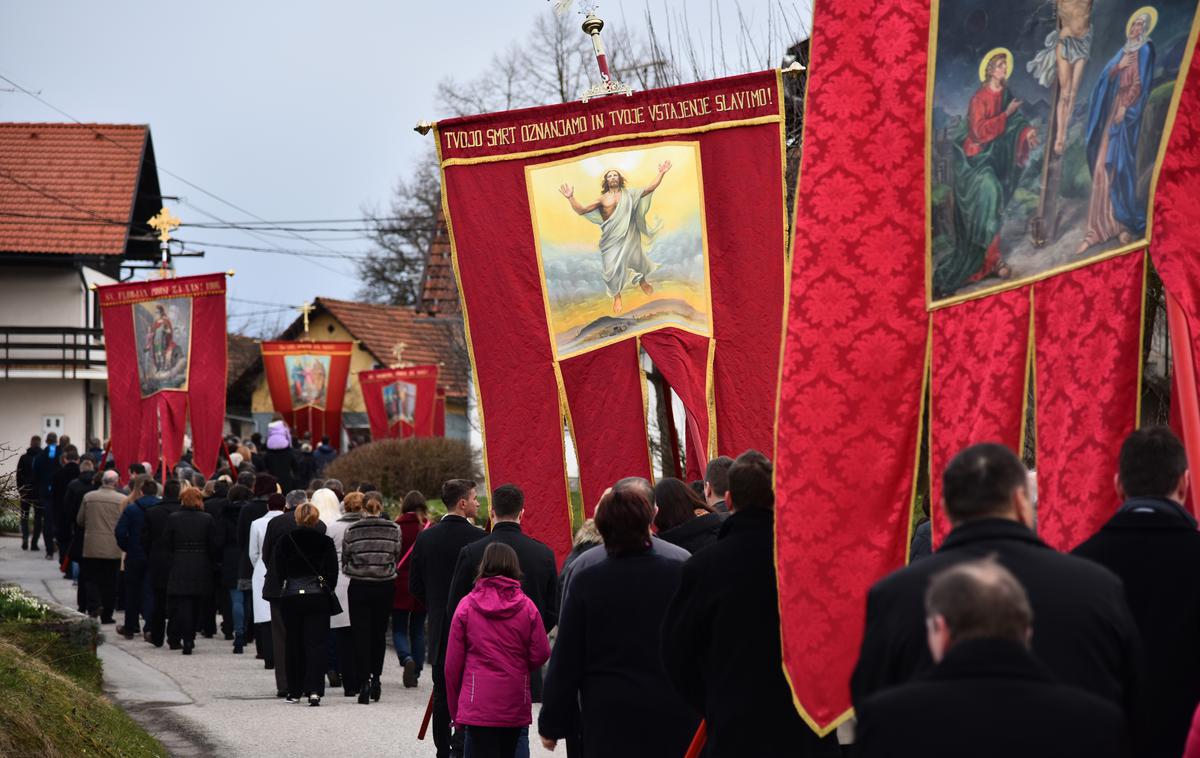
(305, 310)
(164, 222)
(398, 351)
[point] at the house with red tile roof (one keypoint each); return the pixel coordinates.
(383, 336)
(74, 202)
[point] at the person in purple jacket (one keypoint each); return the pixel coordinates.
(496, 639)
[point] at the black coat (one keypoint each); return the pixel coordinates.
(297, 553)
(721, 646)
(253, 510)
(1157, 556)
(81, 485)
(304, 469)
(194, 544)
(59, 484)
(276, 529)
(539, 580)
(280, 464)
(227, 525)
(25, 479)
(431, 571)
(987, 699)
(154, 542)
(606, 679)
(1083, 630)
(695, 534)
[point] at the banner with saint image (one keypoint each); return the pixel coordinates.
(307, 382)
(401, 402)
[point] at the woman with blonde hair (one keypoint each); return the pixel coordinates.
(327, 505)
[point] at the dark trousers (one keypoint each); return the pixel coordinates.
(158, 620)
(370, 610)
(279, 646)
(262, 641)
(43, 524)
(352, 677)
(307, 638)
(224, 607)
(492, 741)
(135, 580)
(185, 613)
(443, 739)
(28, 507)
(101, 577)
(63, 534)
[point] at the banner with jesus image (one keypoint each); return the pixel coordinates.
(401, 402)
(307, 381)
(587, 234)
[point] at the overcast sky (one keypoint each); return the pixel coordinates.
(297, 110)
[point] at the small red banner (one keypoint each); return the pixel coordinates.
(401, 402)
(307, 381)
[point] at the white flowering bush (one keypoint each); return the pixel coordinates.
(15, 605)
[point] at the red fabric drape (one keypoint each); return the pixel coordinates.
(683, 359)
(850, 399)
(979, 359)
(206, 381)
(1087, 326)
(319, 417)
(608, 426)
(373, 385)
(439, 414)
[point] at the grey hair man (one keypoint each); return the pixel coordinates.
(98, 514)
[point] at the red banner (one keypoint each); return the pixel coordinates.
(439, 413)
(307, 381)
(658, 216)
(165, 346)
(401, 402)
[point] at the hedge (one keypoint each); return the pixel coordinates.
(397, 466)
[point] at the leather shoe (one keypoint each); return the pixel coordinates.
(125, 633)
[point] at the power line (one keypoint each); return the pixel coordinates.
(282, 251)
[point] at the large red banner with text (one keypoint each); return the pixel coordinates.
(401, 402)
(307, 381)
(579, 228)
(166, 352)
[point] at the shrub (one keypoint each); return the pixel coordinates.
(397, 466)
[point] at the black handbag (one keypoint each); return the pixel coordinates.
(310, 585)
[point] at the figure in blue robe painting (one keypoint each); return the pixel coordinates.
(1114, 123)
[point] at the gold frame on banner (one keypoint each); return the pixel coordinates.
(187, 380)
(1168, 128)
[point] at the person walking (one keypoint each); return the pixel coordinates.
(986, 695)
(497, 638)
(216, 497)
(683, 518)
(408, 614)
(64, 527)
(1151, 543)
(306, 563)
(370, 552)
(272, 590)
(323, 455)
(344, 669)
(129, 538)
(260, 606)
(231, 562)
(98, 515)
(87, 481)
(194, 545)
(731, 673)
(262, 486)
(158, 564)
(606, 666)
(431, 570)
(44, 467)
(27, 488)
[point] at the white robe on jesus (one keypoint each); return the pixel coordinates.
(622, 258)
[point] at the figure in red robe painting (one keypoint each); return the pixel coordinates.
(990, 150)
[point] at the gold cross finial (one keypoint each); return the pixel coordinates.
(305, 310)
(164, 223)
(398, 351)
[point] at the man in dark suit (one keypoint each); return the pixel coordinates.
(1153, 545)
(263, 486)
(158, 564)
(720, 641)
(64, 527)
(716, 483)
(1085, 633)
(986, 696)
(431, 571)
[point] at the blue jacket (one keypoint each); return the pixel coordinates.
(129, 527)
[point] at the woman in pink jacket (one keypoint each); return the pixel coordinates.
(496, 639)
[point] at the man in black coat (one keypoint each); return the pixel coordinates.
(44, 467)
(26, 488)
(986, 696)
(539, 569)
(263, 486)
(721, 645)
(716, 483)
(277, 528)
(64, 528)
(1085, 633)
(431, 571)
(158, 563)
(219, 602)
(1153, 545)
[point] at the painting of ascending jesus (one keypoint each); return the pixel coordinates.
(308, 378)
(621, 241)
(1048, 121)
(162, 329)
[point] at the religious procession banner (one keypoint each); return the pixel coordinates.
(439, 413)
(165, 346)
(581, 230)
(401, 402)
(307, 381)
(976, 229)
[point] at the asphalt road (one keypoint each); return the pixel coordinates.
(217, 703)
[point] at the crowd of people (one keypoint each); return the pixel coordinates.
(662, 627)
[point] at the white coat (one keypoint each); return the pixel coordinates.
(258, 531)
(336, 531)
